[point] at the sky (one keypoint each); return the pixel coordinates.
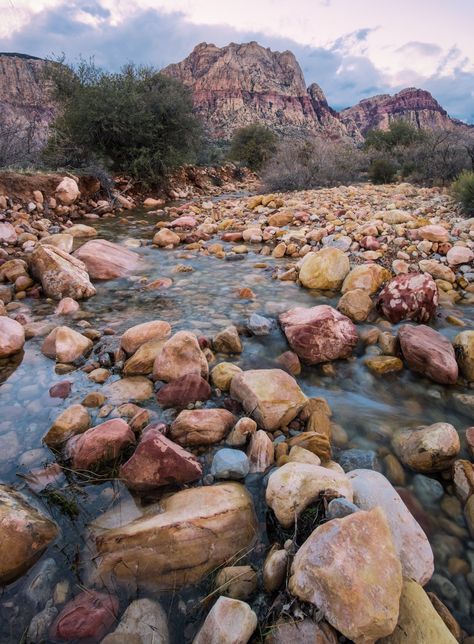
(352, 48)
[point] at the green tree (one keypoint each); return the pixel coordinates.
(253, 145)
(463, 191)
(136, 121)
(400, 133)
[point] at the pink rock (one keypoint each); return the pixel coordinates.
(105, 260)
(319, 334)
(158, 461)
(183, 391)
(412, 296)
(433, 233)
(7, 233)
(12, 336)
(99, 444)
(370, 243)
(61, 389)
(89, 616)
(186, 221)
(428, 352)
(459, 255)
(66, 306)
(180, 355)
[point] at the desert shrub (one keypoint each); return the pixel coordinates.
(136, 121)
(463, 191)
(252, 145)
(382, 171)
(300, 165)
(399, 134)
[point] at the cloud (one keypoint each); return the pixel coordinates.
(343, 68)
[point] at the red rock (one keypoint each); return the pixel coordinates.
(232, 237)
(183, 391)
(105, 260)
(89, 616)
(158, 461)
(319, 334)
(428, 352)
(411, 296)
(99, 444)
(61, 389)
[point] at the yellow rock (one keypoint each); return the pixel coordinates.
(324, 270)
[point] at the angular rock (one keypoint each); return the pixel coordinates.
(73, 420)
(105, 260)
(66, 306)
(227, 341)
(201, 426)
(349, 569)
(65, 345)
(61, 275)
(261, 452)
(134, 337)
(142, 361)
(324, 270)
(294, 486)
(428, 352)
(180, 355)
(243, 428)
(99, 444)
(259, 325)
(230, 621)
(272, 396)
(319, 334)
(144, 619)
(183, 391)
(12, 337)
(192, 533)
(24, 534)
(89, 616)
(464, 347)
(432, 448)
(411, 296)
(372, 489)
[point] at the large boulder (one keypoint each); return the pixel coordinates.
(432, 448)
(464, 346)
(324, 270)
(230, 621)
(271, 396)
(65, 345)
(89, 616)
(319, 334)
(350, 570)
(428, 352)
(137, 335)
(192, 533)
(24, 534)
(12, 336)
(372, 489)
(368, 277)
(105, 260)
(158, 461)
(180, 355)
(99, 444)
(293, 486)
(202, 426)
(61, 275)
(67, 191)
(410, 296)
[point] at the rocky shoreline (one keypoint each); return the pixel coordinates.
(220, 469)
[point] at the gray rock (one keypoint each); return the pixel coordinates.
(339, 508)
(355, 459)
(41, 583)
(429, 491)
(38, 629)
(230, 464)
(259, 325)
(443, 587)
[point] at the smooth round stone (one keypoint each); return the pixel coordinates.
(358, 459)
(230, 464)
(259, 325)
(429, 491)
(339, 508)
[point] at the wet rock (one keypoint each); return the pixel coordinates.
(463, 479)
(340, 508)
(222, 374)
(428, 352)
(73, 420)
(319, 334)
(372, 489)
(142, 361)
(201, 426)
(144, 619)
(227, 341)
(66, 306)
(271, 396)
(261, 452)
(274, 569)
(132, 389)
(99, 444)
(324, 270)
(343, 554)
(38, 630)
(290, 362)
(166, 237)
(183, 391)
(236, 582)
(429, 491)
(24, 534)
(259, 325)
(354, 459)
(180, 355)
(90, 615)
(61, 275)
(431, 448)
(368, 277)
(315, 442)
(134, 337)
(243, 429)
(413, 296)
(61, 389)
(157, 461)
(230, 464)
(192, 533)
(301, 632)
(12, 337)
(356, 305)
(105, 260)
(293, 486)
(65, 345)
(381, 365)
(67, 191)
(229, 621)
(464, 347)
(81, 230)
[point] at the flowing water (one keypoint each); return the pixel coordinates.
(205, 300)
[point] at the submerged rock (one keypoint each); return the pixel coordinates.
(230, 621)
(464, 346)
(89, 616)
(144, 619)
(193, 532)
(105, 260)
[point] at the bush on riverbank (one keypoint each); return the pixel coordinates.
(463, 191)
(253, 145)
(136, 121)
